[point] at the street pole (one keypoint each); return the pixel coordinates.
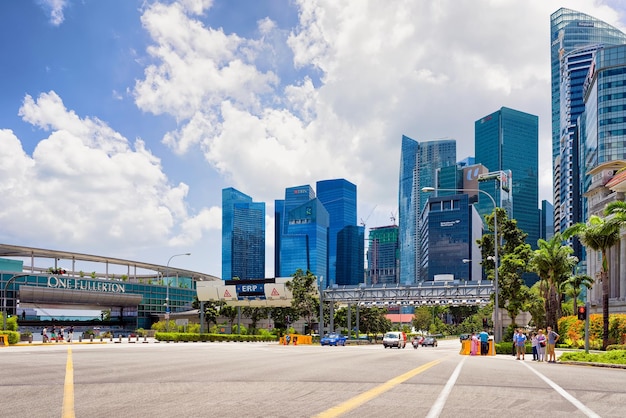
(4, 298)
(497, 331)
(167, 292)
(321, 326)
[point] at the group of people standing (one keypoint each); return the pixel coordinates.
(57, 334)
(543, 345)
(479, 343)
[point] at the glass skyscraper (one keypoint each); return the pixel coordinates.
(302, 241)
(509, 140)
(339, 198)
(419, 162)
(382, 255)
(574, 37)
(243, 236)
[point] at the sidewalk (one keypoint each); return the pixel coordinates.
(117, 340)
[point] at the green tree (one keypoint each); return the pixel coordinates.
(229, 312)
(600, 235)
(513, 257)
(374, 320)
(211, 310)
(572, 287)
(305, 300)
(537, 305)
(553, 262)
(255, 314)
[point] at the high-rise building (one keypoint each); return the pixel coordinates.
(382, 255)
(243, 236)
(450, 227)
(302, 241)
(339, 198)
(509, 140)
(574, 37)
(419, 162)
(547, 221)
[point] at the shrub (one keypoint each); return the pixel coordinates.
(14, 336)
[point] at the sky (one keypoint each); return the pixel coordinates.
(121, 121)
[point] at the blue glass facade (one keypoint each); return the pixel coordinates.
(339, 197)
(447, 237)
(573, 38)
(509, 140)
(243, 236)
(303, 239)
(419, 163)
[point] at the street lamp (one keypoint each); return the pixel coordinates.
(4, 298)
(321, 325)
(496, 320)
(167, 292)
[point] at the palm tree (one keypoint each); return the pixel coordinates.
(572, 287)
(553, 262)
(599, 235)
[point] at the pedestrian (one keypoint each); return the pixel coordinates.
(513, 346)
(553, 337)
(62, 334)
(484, 342)
(534, 343)
(53, 334)
(287, 339)
(541, 346)
(70, 333)
(475, 344)
(520, 345)
(44, 333)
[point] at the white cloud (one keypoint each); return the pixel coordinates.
(55, 8)
(86, 185)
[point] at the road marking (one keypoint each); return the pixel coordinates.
(364, 397)
(437, 407)
(578, 404)
(68, 388)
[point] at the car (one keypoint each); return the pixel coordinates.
(333, 339)
(394, 339)
(431, 341)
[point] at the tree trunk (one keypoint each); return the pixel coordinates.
(605, 309)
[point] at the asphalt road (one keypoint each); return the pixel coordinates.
(269, 380)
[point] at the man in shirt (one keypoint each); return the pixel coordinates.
(484, 343)
(553, 337)
(520, 344)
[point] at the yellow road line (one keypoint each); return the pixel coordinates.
(359, 400)
(68, 388)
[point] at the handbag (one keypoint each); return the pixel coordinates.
(542, 343)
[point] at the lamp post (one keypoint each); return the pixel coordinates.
(496, 320)
(167, 292)
(321, 326)
(4, 299)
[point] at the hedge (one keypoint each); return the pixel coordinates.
(193, 337)
(14, 336)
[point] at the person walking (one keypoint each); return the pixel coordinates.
(541, 345)
(514, 345)
(520, 345)
(484, 342)
(44, 333)
(534, 343)
(553, 337)
(475, 344)
(70, 333)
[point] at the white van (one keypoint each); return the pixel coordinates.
(394, 339)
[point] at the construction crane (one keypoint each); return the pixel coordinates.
(364, 222)
(393, 218)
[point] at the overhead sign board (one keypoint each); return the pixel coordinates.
(255, 293)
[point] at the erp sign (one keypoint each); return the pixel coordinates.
(251, 290)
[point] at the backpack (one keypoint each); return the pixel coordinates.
(41, 332)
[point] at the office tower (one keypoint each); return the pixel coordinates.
(574, 36)
(509, 140)
(243, 236)
(339, 198)
(382, 255)
(302, 241)
(350, 268)
(547, 221)
(419, 162)
(450, 227)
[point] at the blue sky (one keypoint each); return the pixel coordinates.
(122, 120)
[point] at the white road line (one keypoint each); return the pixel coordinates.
(437, 407)
(578, 404)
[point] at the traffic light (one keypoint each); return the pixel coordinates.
(582, 313)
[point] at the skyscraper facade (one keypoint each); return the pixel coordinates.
(303, 238)
(574, 36)
(339, 198)
(419, 162)
(243, 236)
(383, 256)
(509, 140)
